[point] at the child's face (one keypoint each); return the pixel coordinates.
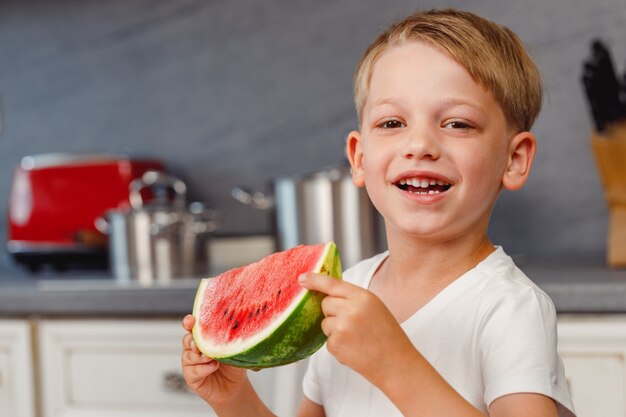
(433, 146)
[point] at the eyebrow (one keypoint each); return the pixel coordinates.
(382, 101)
(447, 101)
(452, 101)
(464, 102)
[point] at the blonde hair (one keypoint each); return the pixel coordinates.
(492, 54)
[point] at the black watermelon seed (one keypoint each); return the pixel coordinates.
(258, 310)
(264, 306)
(250, 315)
(236, 324)
(231, 316)
(225, 311)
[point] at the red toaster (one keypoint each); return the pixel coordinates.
(55, 200)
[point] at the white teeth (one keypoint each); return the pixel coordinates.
(422, 183)
(424, 192)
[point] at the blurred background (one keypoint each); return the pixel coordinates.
(237, 93)
(255, 96)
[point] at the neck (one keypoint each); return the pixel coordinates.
(432, 262)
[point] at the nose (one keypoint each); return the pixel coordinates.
(422, 144)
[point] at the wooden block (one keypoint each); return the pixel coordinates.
(616, 244)
(610, 153)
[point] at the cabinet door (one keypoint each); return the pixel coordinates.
(16, 372)
(97, 368)
(593, 350)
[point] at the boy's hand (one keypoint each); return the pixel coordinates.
(216, 383)
(362, 332)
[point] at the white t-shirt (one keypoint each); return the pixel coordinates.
(490, 333)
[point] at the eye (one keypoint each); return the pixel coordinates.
(391, 124)
(458, 124)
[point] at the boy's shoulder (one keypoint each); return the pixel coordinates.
(504, 282)
(500, 266)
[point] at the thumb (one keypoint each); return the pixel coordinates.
(325, 284)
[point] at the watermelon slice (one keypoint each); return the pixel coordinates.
(258, 316)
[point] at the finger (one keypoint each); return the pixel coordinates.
(187, 338)
(191, 358)
(205, 368)
(189, 343)
(326, 284)
(188, 322)
(199, 372)
(332, 306)
(328, 324)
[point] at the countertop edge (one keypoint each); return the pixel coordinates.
(574, 289)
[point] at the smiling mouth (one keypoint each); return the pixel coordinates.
(423, 186)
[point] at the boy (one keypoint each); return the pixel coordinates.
(443, 323)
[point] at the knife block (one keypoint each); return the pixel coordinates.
(609, 150)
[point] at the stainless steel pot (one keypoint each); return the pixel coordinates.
(162, 239)
(318, 207)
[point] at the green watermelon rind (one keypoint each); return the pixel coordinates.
(299, 336)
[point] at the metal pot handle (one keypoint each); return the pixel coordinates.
(255, 199)
(154, 178)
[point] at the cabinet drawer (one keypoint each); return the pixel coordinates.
(126, 377)
(131, 368)
(122, 368)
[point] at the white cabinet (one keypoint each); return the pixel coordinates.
(593, 350)
(98, 368)
(113, 367)
(131, 368)
(16, 372)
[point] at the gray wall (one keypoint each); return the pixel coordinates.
(232, 93)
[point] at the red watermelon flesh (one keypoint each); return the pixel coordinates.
(258, 315)
(264, 288)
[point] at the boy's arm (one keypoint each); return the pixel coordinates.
(248, 404)
(418, 390)
(523, 404)
(385, 356)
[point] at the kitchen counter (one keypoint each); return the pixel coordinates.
(581, 287)
(76, 293)
(95, 296)
(574, 288)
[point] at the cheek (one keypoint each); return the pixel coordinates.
(374, 175)
(374, 160)
(374, 181)
(485, 173)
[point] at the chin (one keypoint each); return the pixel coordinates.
(419, 229)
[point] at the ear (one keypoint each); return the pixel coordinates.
(521, 154)
(354, 152)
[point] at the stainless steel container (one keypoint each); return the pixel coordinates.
(161, 239)
(318, 207)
